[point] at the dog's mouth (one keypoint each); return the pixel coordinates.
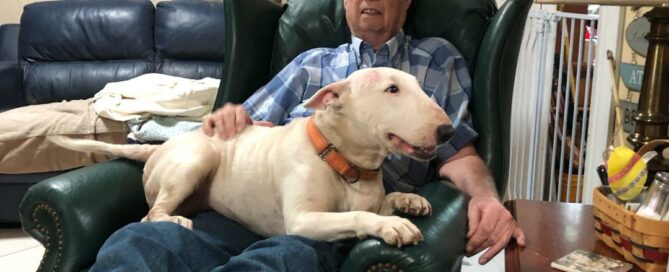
(418, 152)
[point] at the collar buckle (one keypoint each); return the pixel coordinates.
(329, 148)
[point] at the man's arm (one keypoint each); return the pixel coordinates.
(490, 224)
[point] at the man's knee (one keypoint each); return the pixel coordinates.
(142, 247)
(297, 251)
(147, 232)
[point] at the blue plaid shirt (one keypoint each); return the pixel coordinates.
(436, 63)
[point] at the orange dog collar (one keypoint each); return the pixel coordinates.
(328, 153)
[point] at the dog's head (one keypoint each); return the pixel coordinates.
(390, 107)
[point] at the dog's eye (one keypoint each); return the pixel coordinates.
(393, 89)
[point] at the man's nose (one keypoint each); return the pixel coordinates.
(444, 133)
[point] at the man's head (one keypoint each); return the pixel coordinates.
(376, 21)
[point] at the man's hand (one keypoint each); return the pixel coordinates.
(229, 121)
(490, 225)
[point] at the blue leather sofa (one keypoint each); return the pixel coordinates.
(64, 50)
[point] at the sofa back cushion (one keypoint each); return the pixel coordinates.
(71, 49)
(189, 38)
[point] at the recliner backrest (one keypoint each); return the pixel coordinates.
(307, 24)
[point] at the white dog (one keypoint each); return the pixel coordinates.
(317, 177)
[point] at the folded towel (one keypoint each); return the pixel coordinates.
(160, 128)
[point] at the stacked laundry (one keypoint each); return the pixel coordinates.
(157, 107)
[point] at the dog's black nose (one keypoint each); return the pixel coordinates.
(444, 133)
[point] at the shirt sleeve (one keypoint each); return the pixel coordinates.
(453, 94)
(274, 101)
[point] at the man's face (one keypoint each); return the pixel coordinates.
(376, 19)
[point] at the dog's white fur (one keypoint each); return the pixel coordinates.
(271, 179)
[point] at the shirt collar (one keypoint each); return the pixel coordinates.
(393, 45)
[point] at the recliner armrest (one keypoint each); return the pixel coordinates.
(442, 249)
(74, 213)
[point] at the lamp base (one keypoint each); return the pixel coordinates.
(652, 118)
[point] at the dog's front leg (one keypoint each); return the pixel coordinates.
(332, 226)
(412, 204)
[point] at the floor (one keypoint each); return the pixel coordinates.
(18, 251)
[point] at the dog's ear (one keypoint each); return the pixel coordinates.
(327, 96)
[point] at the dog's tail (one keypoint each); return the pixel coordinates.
(131, 151)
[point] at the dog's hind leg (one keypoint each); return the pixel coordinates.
(177, 176)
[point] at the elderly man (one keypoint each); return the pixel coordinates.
(378, 40)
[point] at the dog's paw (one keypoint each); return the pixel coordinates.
(412, 204)
(398, 231)
(183, 221)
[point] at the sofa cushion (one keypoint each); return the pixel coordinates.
(70, 49)
(189, 38)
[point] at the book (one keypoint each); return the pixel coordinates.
(585, 261)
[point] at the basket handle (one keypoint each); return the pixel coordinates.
(652, 145)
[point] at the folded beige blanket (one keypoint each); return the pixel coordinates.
(157, 94)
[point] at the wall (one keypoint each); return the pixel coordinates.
(11, 10)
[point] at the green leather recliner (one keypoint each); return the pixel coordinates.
(73, 214)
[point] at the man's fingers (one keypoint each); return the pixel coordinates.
(263, 123)
(208, 126)
(218, 125)
(493, 250)
(241, 119)
(227, 122)
(228, 116)
(483, 231)
(519, 236)
(474, 218)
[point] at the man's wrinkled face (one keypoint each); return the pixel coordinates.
(371, 19)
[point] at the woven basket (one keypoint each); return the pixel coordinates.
(643, 241)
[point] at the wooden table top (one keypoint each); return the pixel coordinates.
(552, 230)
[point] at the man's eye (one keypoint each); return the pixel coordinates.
(393, 89)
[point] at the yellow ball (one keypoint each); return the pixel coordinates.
(627, 173)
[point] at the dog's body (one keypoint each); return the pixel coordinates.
(273, 181)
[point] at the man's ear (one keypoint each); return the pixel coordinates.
(327, 96)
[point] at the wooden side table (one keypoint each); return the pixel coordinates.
(552, 230)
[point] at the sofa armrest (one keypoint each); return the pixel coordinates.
(11, 76)
(9, 42)
(74, 213)
(444, 232)
(11, 93)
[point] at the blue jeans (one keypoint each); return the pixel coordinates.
(215, 244)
